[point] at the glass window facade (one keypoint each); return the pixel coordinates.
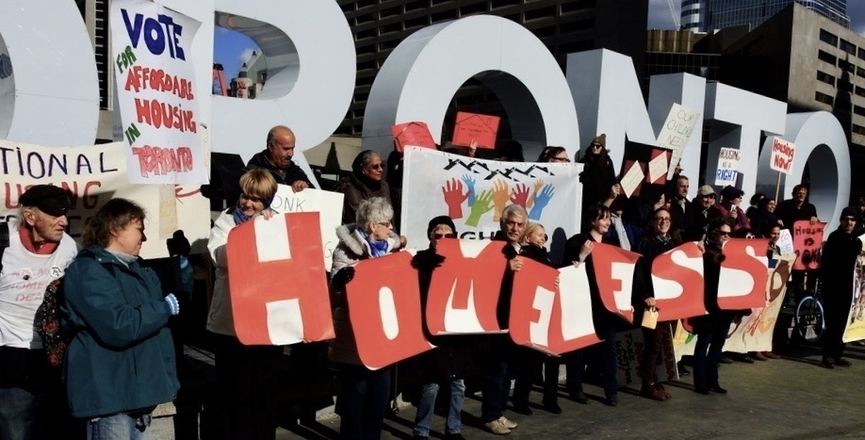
(717, 14)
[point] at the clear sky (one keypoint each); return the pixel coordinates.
(661, 18)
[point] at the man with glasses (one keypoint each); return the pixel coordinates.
(839, 259)
(276, 158)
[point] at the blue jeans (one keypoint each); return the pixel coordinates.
(119, 427)
(18, 409)
(707, 352)
(426, 406)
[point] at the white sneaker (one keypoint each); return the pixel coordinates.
(510, 424)
(497, 427)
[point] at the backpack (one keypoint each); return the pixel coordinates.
(54, 338)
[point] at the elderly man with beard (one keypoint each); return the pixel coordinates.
(839, 258)
(38, 252)
(276, 158)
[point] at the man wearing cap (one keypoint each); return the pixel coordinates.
(839, 258)
(703, 211)
(276, 158)
(38, 253)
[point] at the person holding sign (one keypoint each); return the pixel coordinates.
(788, 212)
(451, 360)
(245, 374)
(839, 258)
(578, 250)
(599, 175)
(731, 198)
(364, 393)
(276, 158)
(120, 363)
(653, 244)
(711, 329)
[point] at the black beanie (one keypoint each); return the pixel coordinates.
(849, 212)
(440, 220)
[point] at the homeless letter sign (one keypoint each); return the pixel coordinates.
(156, 93)
(277, 281)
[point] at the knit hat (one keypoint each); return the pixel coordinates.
(706, 190)
(731, 192)
(440, 220)
(601, 139)
(849, 212)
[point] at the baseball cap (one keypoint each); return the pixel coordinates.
(706, 190)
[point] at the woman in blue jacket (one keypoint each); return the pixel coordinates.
(120, 361)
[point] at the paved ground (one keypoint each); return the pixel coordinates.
(790, 398)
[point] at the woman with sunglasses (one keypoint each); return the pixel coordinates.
(451, 361)
(532, 242)
(711, 329)
(599, 175)
(364, 393)
(365, 182)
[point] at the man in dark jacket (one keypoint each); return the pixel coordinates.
(276, 158)
(703, 211)
(789, 211)
(839, 259)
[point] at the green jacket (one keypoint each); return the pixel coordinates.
(121, 357)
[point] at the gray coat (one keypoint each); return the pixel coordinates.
(351, 249)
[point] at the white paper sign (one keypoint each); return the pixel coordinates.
(632, 179)
(329, 206)
(728, 167)
(783, 153)
(785, 242)
(153, 66)
(657, 167)
(675, 133)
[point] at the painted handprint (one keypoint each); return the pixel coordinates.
(501, 196)
(482, 205)
(454, 197)
(470, 185)
(520, 195)
(531, 201)
(541, 199)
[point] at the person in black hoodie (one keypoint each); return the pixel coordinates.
(450, 362)
(276, 158)
(599, 174)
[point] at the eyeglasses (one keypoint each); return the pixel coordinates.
(377, 166)
(559, 159)
(664, 219)
(386, 224)
(439, 236)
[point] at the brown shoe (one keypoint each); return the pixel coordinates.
(760, 356)
(771, 355)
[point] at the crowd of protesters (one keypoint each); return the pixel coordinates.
(119, 362)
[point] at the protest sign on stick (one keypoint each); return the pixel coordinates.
(475, 128)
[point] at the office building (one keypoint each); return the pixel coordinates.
(709, 15)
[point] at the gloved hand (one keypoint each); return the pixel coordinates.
(342, 277)
(173, 304)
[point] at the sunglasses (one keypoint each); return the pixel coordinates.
(376, 166)
(439, 236)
